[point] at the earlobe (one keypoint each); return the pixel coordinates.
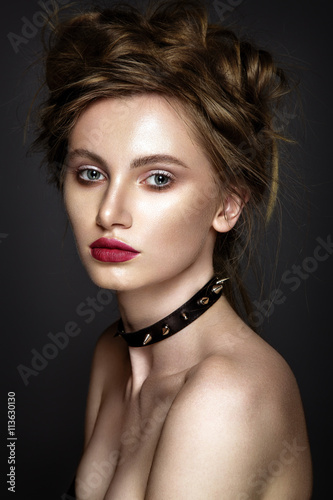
(228, 214)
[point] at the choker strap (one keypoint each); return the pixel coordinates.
(178, 319)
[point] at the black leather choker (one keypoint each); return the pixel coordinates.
(178, 319)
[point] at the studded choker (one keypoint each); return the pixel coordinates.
(178, 319)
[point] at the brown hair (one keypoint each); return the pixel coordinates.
(229, 89)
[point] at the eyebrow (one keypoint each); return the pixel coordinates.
(148, 160)
(85, 153)
(142, 161)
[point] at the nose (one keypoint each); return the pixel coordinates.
(114, 209)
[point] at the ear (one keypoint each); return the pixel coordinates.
(228, 213)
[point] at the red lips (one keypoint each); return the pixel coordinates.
(111, 250)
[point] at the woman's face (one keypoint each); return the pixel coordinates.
(134, 174)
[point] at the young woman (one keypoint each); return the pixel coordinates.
(159, 132)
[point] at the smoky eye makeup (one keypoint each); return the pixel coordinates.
(86, 174)
(158, 179)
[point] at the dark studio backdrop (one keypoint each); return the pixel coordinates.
(45, 291)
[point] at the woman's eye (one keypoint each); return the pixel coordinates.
(90, 175)
(159, 180)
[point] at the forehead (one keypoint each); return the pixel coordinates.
(141, 124)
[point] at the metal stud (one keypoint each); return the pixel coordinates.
(216, 289)
(166, 330)
(204, 301)
(184, 316)
(221, 281)
(147, 339)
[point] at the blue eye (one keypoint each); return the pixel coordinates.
(159, 180)
(91, 175)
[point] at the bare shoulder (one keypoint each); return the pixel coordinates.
(109, 363)
(239, 415)
(254, 388)
(254, 378)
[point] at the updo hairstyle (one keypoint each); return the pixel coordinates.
(229, 89)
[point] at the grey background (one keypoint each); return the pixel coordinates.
(43, 282)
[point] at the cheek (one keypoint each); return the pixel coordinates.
(77, 209)
(68, 198)
(200, 204)
(182, 220)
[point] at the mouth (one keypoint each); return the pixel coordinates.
(111, 250)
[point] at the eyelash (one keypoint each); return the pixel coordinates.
(81, 171)
(168, 175)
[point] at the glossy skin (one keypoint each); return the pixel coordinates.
(212, 412)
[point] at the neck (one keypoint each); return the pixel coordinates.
(143, 307)
(186, 349)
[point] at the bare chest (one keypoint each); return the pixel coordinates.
(117, 462)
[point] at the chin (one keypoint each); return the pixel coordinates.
(111, 279)
(107, 283)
